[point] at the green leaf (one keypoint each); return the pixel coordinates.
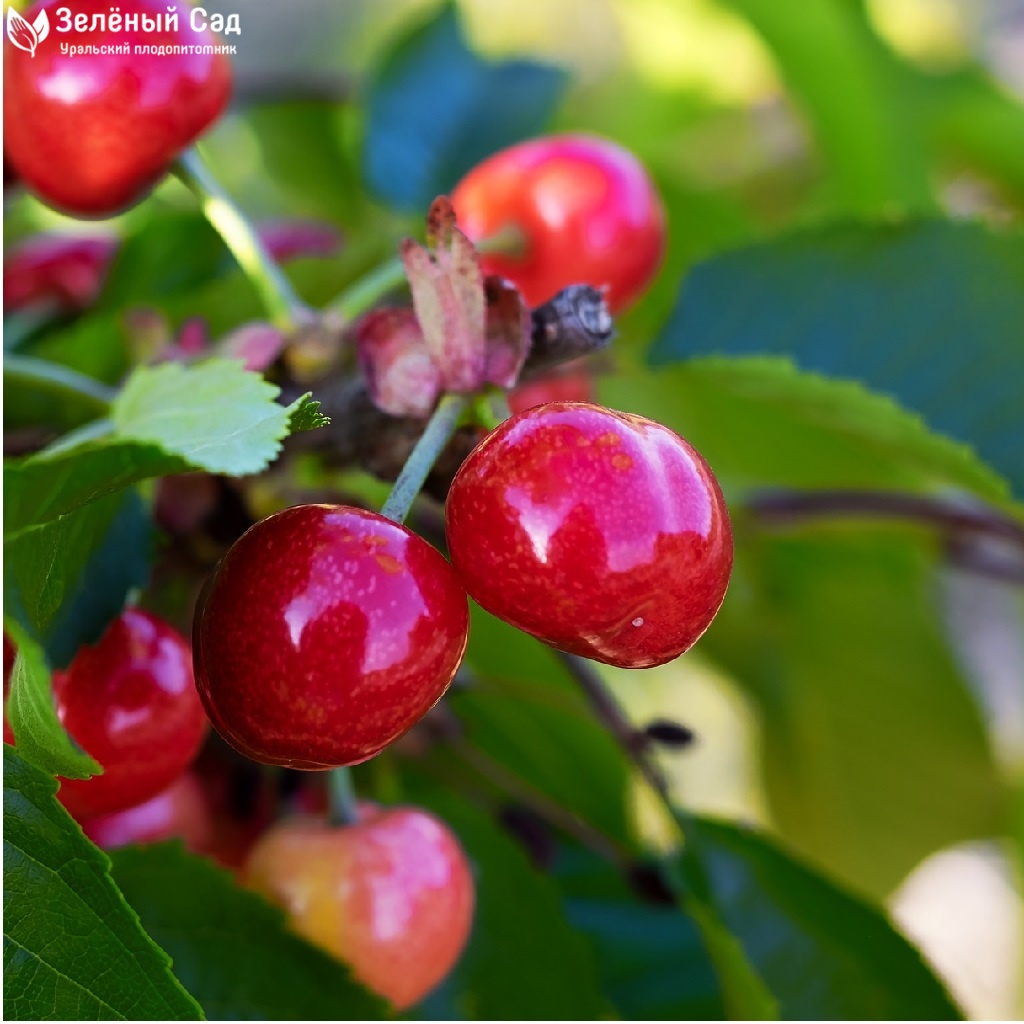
(66, 580)
(231, 948)
(760, 422)
(305, 414)
(873, 751)
(528, 715)
(435, 110)
(216, 415)
(40, 737)
(926, 311)
(73, 950)
(820, 952)
(519, 920)
(852, 92)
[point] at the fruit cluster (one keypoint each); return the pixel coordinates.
(327, 631)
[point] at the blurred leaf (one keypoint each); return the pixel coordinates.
(41, 739)
(230, 947)
(821, 953)
(66, 580)
(927, 311)
(843, 78)
(73, 950)
(435, 109)
(523, 961)
(215, 414)
(526, 714)
(651, 959)
(873, 751)
(761, 422)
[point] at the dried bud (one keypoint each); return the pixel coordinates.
(257, 344)
(288, 239)
(400, 374)
(509, 327)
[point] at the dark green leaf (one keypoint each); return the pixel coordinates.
(40, 737)
(305, 414)
(874, 753)
(519, 920)
(821, 953)
(66, 580)
(435, 109)
(761, 422)
(928, 312)
(73, 950)
(231, 948)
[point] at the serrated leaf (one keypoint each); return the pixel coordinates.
(66, 580)
(216, 415)
(230, 947)
(821, 953)
(435, 109)
(926, 311)
(304, 414)
(874, 753)
(760, 421)
(73, 949)
(40, 737)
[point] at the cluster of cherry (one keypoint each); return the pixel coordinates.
(328, 631)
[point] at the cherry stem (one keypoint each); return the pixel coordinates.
(286, 309)
(438, 433)
(365, 292)
(61, 379)
(343, 807)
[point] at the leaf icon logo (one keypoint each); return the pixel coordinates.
(27, 36)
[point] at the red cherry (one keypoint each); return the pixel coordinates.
(601, 533)
(586, 207)
(131, 703)
(67, 270)
(326, 633)
(180, 812)
(567, 386)
(91, 132)
(391, 896)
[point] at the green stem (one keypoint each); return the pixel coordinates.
(343, 807)
(365, 292)
(286, 309)
(417, 467)
(62, 379)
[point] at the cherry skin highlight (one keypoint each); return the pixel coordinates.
(325, 634)
(587, 210)
(90, 133)
(391, 896)
(130, 702)
(601, 533)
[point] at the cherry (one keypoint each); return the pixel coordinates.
(570, 385)
(131, 703)
(392, 896)
(181, 811)
(586, 207)
(601, 533)
(92, 132)
(66, 270)
(325, 634)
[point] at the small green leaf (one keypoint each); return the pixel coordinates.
(230, 947)
(216, 415)
(40, 737)
(73, 950)
(304, 414)
(821, 953)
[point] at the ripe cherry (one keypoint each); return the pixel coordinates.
(601, 533)
(392, 896)
(66, 271)
(92, 132)
(181, 811)
(569, 385)
(131, 703)
(325, 634)
(587, 210)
